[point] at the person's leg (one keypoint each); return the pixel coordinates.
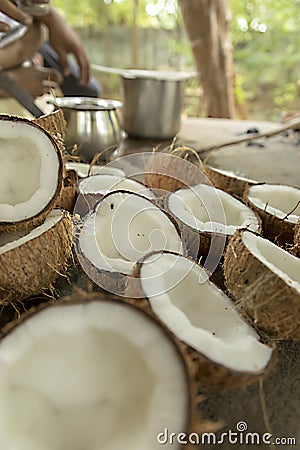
(14, 54)
(70, 86)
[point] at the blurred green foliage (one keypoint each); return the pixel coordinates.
(265, 37)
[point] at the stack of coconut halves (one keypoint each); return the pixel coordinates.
(35, 236)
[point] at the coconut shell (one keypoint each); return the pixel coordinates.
(277, 230)
(111, 282)
(55, 123)
(230, 184)
(210, 375)
(34, 266)
(167, 172)
(38, 219)
(263, 297)
(68, 196)
(297, 240)
(195, 423)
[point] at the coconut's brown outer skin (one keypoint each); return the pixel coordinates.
(55, 123)
(209, 375)
(231, 185)
(38, 219)
(296, 248)
(68, 196)
(195, 423)
(163, 172)
(261, 296)
(34, 266)
(112, 282)
(277, 230)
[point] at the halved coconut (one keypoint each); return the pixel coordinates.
(202, 316)
(31, 261)
(205, 213)
(91, 374)
(83, 170)
(167, 172)
(31, 173)
(123, 228)
(92, 189)
(265, 280)
(228, 181)
(279, 208)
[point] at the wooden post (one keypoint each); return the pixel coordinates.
(207, 26)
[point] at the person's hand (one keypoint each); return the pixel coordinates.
(64, 40)
(35, 79)
(11, 10)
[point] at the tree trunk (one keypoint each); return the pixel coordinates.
(207, 25)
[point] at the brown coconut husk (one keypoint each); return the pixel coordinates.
(264, 298)
(170, 170)
(35, 221)
(55, 123)
(195, 423)
(210, 375)
(233, 185)
(296, 248)
(34, 266)
(280, 231)
(68, 196)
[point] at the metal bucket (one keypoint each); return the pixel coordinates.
(153, 103)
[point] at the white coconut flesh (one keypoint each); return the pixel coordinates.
(29, 171)
(208, 209)
(123, 229)
(89, 377)
(104, 183)
(282, 263)
(10, 241)
(200, 314)
(279, 200)
(233, 175)
(83, 169)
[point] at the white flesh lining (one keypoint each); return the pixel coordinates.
(278, 200)
(199, 314)
(82, 169)
(29, 171)
(206, 208)
(124, 229)
(282, 263)
(103, 183)
(9, 241)
(93, 376)
(231, 174)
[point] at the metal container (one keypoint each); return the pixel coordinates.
(153, 103)
(92, 124)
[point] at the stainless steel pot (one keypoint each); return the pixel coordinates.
(93, 124)
(153, 103)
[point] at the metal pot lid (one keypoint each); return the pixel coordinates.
(86, 103)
